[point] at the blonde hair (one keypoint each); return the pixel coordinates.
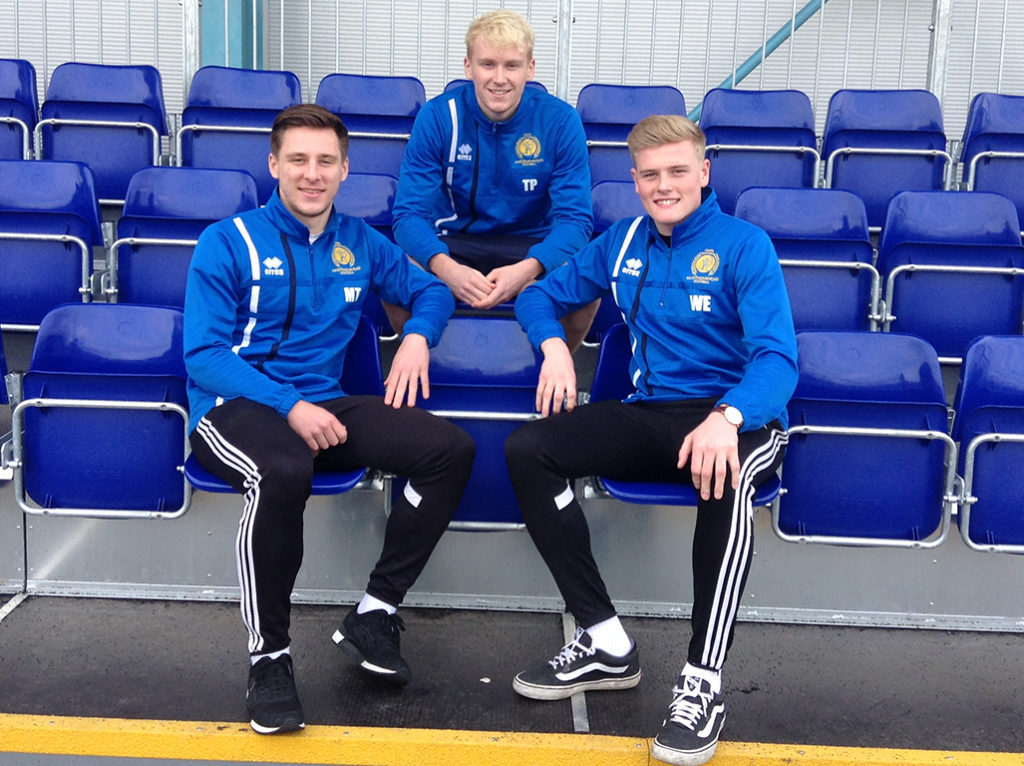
(502, 29)
(660, 129)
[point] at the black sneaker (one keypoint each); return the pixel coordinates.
(579, 667)
(271, 699)
(373, 639)
(695, 717)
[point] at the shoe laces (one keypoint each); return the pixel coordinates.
(275, 681)
(388, 625)
(690, 703)
(572, 651)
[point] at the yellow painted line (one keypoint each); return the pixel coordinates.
(362, 746)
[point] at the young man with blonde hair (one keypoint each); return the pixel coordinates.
(494, 190)
(714, 364)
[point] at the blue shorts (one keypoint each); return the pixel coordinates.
(486, 252)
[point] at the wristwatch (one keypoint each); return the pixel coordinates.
(732, 415)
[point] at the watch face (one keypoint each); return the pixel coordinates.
(734, 416)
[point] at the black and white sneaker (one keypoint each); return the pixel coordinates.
(271, 699)
(695, 717)
(579, 667)
(372, 638)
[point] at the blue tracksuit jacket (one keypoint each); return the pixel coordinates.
(708, 316)
(268, 315)
(463, 173)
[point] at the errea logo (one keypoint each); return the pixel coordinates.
(632, 267)
(465, 153)
(272, 267)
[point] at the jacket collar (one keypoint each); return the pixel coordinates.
(708, 208)
(284, 221)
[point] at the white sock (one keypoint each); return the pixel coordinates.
(254, 658)
(713, 677)
(609, 636)
(369, 604)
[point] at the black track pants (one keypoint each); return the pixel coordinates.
(255, 450)
(640, 442)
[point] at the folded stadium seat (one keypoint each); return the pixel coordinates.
(371, 196)
(378, 112)
(612, 381)
(869, 461)
(361, 375)
(165, 211)
(989, 427)
(49, 224)
(109, 117)
(459, 82)
(483, 377)
(821, 236)
(877, 143)
(758, 138)
(19, 108)
(993, 146)
(952, 264)
(100, 430)
(227, 119)
(609, 112)
(613, 200)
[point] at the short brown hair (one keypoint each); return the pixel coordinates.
(660, 129)
(501, 28)
(307, 116)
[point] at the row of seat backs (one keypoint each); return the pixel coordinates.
(166, 208)
(101, 430)
(384, 107)
(868, 412)
(50, 224)
(952, 261)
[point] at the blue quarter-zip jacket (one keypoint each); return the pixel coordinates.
(268, 315)
(464, 174)
(708, 316)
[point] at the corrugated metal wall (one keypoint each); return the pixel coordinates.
(693, 44)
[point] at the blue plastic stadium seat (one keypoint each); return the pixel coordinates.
(869, 461)
(19, 108)
(460, 81)
(952, 263)
(165, 211)
(371, 196)
(611, 381)
(989, 426)
(821, 236)
(609, 112)
(100, 431)
(877, 143)
(378, 112)
(993, 146)
(613, 201)
(131, 96)
(227, 119)
(758, 138)
(483, 377)
(360, 375)
(49, 223)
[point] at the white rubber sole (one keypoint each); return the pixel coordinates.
(537, 692)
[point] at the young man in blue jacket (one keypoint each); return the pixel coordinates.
(714, 364)
(274, 296)
(494, 189)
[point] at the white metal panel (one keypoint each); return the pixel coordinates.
(51, 32)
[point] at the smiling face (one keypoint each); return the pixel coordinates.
(669, 179)
(309, 168)
(499, 75)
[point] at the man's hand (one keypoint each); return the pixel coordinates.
(317, 427)
(510, 280)
(711, 448)
(467, 284)
(408, 372)
(556, 386)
